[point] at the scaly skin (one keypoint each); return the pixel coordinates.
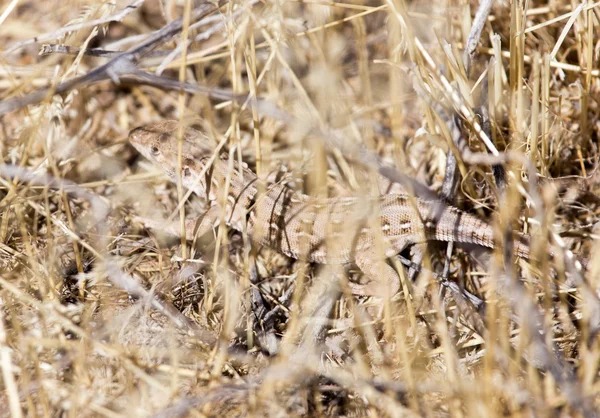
(360, 230)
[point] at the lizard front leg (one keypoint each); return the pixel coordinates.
(383, 279)
(193, 227)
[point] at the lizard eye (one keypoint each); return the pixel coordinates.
(154, 150)
(186, 171)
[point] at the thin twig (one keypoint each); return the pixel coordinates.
(476, 28)
(203, 35)
(117, 17)
(48, 49)
(117, 67)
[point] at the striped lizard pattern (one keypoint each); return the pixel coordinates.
(360, 230)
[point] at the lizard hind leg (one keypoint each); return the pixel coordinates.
(417, 252)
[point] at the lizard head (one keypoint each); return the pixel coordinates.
(158, 143)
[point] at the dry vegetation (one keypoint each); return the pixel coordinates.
(100, 316)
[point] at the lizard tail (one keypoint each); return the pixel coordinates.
(453, 225)
(457, 226)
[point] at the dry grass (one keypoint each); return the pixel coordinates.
(100, 317)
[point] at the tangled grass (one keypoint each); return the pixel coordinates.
(103, 317)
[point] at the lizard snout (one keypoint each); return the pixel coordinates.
(136, 135)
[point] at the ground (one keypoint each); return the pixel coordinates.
(102, 316)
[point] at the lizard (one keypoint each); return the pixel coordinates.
(364, 231)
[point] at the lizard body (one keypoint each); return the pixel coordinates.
(360, 230)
